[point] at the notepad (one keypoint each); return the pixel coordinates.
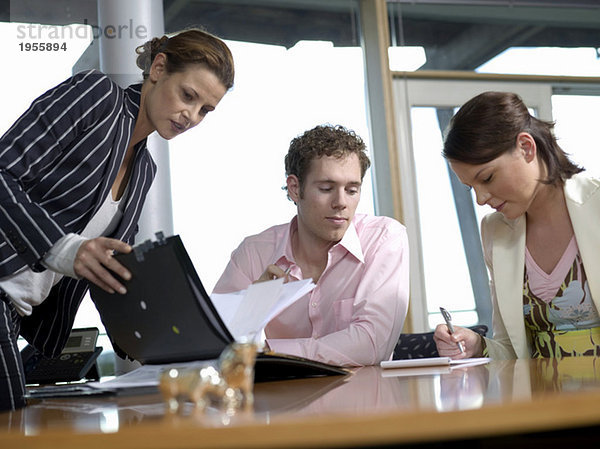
(433, 361)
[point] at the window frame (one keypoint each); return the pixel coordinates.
(447, 89)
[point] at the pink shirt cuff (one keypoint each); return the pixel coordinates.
(291, 346)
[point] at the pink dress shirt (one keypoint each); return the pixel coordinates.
(355, 313)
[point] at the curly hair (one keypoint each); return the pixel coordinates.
(323, 140)
(192, 46)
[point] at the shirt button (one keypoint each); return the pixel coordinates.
(314, 304)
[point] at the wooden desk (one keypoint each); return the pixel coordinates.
(503, 397)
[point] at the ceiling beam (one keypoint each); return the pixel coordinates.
(475, 46)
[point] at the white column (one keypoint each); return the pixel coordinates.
(375, 43)
(122, 27)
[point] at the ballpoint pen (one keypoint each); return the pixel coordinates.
(448, 320)
(274, 276)
(286, 274)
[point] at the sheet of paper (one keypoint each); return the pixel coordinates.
(144, 376)
(417, 371)
(256, 304)
(463, 363)
(433, 361)
(226, 305)
(247, 312)
(291, 292)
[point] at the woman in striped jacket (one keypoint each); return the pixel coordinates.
(74, 173)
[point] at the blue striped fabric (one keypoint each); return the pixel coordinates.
(57, 165)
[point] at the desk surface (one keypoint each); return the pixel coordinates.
(371, 406)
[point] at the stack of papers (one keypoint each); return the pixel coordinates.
(427, 366)
(433, 361)
(247, 312)
(142, 380)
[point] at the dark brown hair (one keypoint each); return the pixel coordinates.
(323, 140)
(487, 126)
(193, 46)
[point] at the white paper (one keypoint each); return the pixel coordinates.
(256, 304)
(247, 312)
(463, 363)
(291, 292)
(144, 376)
(433, 361)
(418, 371)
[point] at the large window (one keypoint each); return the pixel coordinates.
(300, 64)
(227, 174)
(29, 73)
(551, 39)
(445, 218)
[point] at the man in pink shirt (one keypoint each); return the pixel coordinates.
(359, 263)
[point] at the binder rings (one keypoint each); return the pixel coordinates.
(166, 316)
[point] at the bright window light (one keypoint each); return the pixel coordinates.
(33, 71)
(555, 61)
(406, 58)
(227, 173)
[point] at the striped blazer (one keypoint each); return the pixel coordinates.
(57, 165)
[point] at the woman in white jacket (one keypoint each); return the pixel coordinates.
(542, 245)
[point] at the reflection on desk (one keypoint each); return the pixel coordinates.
(569, 374)
(365, 408)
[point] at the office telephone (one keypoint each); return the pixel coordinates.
(77, 361)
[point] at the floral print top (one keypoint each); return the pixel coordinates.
(560, 316)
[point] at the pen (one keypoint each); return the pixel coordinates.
(285, 274)
(448, 320)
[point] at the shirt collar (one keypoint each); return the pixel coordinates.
(133, 95)
(284, 252)
(350, 242)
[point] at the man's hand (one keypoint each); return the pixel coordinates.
(95, 258)
(273, 272)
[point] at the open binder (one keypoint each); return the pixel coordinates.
(166, 316)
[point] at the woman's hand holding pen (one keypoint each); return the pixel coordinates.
(273, 272)
(95, 258)
(447, 343)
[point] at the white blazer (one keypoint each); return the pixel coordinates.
(504, 252)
